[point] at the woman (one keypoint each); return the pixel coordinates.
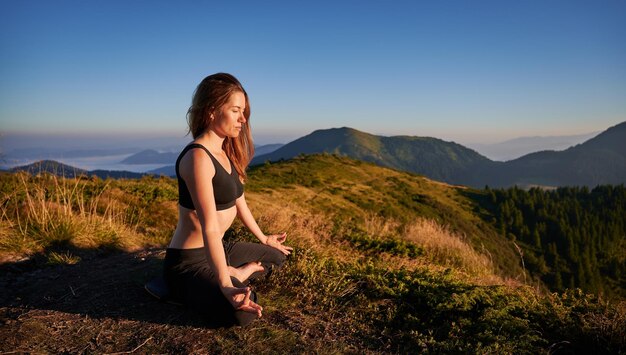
(200, 269)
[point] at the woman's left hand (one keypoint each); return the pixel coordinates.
(277, 240)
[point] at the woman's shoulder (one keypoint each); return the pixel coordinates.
(195, 161)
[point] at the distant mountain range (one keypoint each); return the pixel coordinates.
(151, 156)
(518, 147)
(128, 155)
(600, 160)
(59, 169)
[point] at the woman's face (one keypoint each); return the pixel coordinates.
(229, 119)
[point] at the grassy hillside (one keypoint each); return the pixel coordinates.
(354, 192)
(385, 261)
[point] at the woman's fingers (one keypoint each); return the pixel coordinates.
(240, 299)
(284, 250)
(277, 240)
(252, 308)
(246, 300)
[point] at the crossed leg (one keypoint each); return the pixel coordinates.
(252, 260)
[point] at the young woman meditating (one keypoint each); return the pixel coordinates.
(201, 270)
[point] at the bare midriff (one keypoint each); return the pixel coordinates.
(188, 234)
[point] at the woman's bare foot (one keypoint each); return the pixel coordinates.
(243, 272)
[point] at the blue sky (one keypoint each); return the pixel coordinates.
(469, 71)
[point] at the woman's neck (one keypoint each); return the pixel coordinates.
(211, 140)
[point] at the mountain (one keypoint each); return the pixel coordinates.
(59, 169)
(600, 160)
(169, 170)
(151, 156)
(52, 167)
(515, 148)
(440, 160)
(266, 148)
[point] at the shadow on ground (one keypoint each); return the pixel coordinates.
(98, 286)
(97, 305)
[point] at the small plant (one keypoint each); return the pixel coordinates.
(66, 258)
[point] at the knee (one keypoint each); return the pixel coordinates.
(242, 318)
(275, 256)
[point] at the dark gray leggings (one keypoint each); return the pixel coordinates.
(192, 282)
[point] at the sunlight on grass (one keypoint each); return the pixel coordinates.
(371, 271)
(47, 211)
(66, 258)
(447, 248)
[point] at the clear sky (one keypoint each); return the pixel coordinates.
(469, 71)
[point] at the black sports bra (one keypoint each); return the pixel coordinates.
(226, 187)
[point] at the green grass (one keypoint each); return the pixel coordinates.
(374, 245)
(419, 310)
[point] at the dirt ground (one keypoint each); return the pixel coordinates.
(99, 306)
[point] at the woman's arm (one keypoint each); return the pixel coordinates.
(274, 240)
(197, 170)
(244, 214)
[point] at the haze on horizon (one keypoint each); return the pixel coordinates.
(468, 72)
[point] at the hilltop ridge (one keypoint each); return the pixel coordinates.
(439, 160)
(600, 160)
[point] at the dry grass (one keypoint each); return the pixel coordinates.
(276, 216)
(306, 227)
(48, 211)
(443, 248)
(45, 211)
(446, 248)
(314, 230)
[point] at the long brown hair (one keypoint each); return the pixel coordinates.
(212, 93)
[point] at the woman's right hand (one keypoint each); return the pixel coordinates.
(276, 241)
(240, 299)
